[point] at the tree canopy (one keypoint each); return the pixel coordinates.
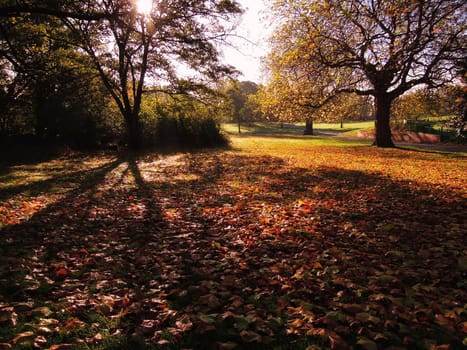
(368, 47)
(172, 48)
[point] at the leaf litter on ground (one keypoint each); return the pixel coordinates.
(278, 246)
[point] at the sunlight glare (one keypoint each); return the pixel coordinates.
(144, 6)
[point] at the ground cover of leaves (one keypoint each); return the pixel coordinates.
(274, 244)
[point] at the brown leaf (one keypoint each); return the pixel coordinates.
(44, 330)
(353, 308)
(22, 337)
(227, 345)
(95, 340)
(184, 324)
(146, 326)
(40, 341)
(8, 317)
(42, 311)
(463, 327)
(62, 347)
(336, 341)
(48, 322)
(367, 344)
(318, 332)
(250, 336)
(211, 300)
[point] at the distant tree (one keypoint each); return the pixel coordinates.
(240, 99)
(448, 97)
(347, 107)
(425, 103)
(287, 99)
(370, 48)
(416, 104)
(251, 109)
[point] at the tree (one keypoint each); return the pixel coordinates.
(129, 49)
(347, 107)
(413, 105)
(56, 8)
(367, 47)
(240, 100)
(47, 81)
(459, 121)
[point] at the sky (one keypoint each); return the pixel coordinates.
(246, 53)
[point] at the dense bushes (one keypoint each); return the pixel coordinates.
(180, 123)
(78, 122)
(182, 131)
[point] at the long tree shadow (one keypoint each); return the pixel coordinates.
(62, 179)
(216, 249)
(32, 230)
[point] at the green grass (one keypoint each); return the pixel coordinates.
(295, 141)
(348, 127)
(261, 128)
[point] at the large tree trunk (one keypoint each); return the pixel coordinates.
(308, 127)
(133, 132)
(383, 136)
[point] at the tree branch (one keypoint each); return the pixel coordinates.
(12, 11)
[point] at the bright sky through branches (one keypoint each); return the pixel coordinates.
(251, 44)
(144, 6)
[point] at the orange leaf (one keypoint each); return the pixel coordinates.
(317, 265)
(297, 323)
(74, 323)
(243, 266)
(61, 273)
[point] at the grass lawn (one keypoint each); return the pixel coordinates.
(257, 128)
(280, 242)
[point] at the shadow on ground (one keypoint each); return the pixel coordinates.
(218, 250)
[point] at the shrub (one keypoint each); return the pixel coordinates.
(182, 125)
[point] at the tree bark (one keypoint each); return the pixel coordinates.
(133, 132)
(383, 137)
(308, 127)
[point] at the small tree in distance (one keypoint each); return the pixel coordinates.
(240, 102)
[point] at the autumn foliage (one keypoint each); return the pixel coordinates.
(277, 243)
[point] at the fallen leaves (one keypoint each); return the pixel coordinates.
(22, 337)
(239, 249)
